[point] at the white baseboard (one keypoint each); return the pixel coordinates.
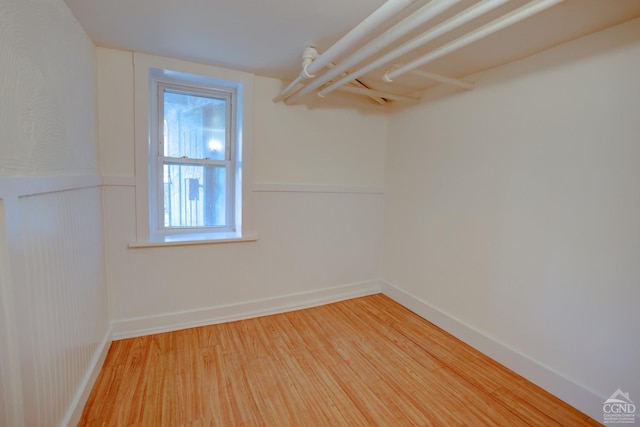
(74, 412)
(564, 388)
(555, 383)
(134, 327)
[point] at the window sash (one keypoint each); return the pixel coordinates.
(229, 224)
(203, 92)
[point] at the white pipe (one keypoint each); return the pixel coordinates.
(490, 28)
(385, 12)
(386, 95)
(440, 29)
(443, 79)
(388, 10)
(309, 54)
(356, 83)
(292, 85)
(413, 21)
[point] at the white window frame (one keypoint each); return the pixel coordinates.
(156, 217)
(152, 72)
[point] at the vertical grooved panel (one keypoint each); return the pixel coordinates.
(5, 384)
(66, 308)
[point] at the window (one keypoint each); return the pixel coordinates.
(192, 146)
(195, 159)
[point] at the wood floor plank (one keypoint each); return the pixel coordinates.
(525, 409)
(357, 388)
(395, 373)
(107, 386)
(448, 350)
(361, 362)
(302, 371)
(133, 387)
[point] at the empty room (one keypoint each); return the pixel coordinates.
(319, 213)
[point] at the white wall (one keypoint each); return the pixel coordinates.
(513, 210)
(47, 62)
(53, 300)
(327, 146)
(317, 210)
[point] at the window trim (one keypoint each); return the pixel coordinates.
(148, 68)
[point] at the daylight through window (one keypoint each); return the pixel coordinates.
(194, 147)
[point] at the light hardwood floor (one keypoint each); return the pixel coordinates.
(362, 362)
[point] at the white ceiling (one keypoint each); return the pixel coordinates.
(268, 37)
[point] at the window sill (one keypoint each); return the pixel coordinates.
(193, 239)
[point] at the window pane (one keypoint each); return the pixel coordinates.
(194, 195)
(194, 126)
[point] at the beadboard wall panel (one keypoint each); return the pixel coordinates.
(53, 274)
(6, 396)
(53, 299)
(66, 311)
